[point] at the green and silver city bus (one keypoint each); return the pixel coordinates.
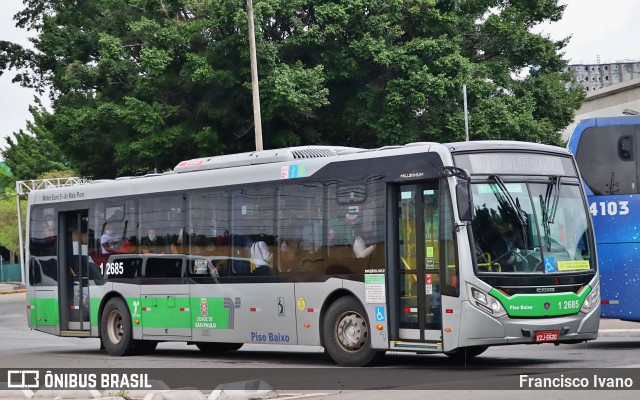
(360, 251)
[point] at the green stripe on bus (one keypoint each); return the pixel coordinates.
(542, 305)
(44, 312)
(164, 311)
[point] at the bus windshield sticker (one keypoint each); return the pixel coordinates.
(429, 251)
(576, 265)
(550, 264)
(488, 188)
(429, 263)
(374, 288)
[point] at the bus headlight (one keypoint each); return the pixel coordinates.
(592, 299)
(487, 303)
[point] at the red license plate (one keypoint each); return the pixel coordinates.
(546, 336)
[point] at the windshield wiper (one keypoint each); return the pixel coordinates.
(550, 206)
(545, 220)
(556, 198)
(515, 206)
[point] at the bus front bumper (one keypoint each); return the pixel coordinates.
(480, 329)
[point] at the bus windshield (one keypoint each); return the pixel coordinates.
(530, 227)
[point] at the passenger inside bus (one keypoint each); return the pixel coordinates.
(177, 245)
(506, 245)
(287, 256)
(151, 243)
(360, 248)
(110, 240)
(261, 258)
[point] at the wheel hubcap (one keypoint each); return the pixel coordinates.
(351, 331)
(115, 327)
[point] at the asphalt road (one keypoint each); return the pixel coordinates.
(497, 368)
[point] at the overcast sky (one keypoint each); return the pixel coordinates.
(608, 29)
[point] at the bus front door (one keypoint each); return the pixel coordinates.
(417, 278)
(74, 274)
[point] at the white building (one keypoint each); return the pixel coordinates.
(613, 100)
(598, 76)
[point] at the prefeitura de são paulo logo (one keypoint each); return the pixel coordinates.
(204, 308)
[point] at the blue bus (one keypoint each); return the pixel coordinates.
(607, 151)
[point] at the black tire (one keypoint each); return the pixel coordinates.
(216, 347)
(346, 334)
(466, 353)
(145, 346)
(116, 330)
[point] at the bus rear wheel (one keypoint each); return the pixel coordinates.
(116, 330)
(346, 335)
(465, 353)
(216, 347)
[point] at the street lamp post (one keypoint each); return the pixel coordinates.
(257, 120)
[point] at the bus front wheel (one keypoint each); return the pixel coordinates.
(346, 334)
(116, 329)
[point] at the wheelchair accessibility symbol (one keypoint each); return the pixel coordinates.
(550, 264)
(379, 314)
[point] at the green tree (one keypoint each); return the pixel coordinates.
(139, 85)
(9, 220)
(31, 154)
(9, 211)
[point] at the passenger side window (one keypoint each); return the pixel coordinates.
(253, 222)
(355, 227)
(43, 232)
(163, 267)
(209, 224)
(165, 216)
(300, 226)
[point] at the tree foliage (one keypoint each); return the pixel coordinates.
(139, 85)
(31, 154)
(9, 220)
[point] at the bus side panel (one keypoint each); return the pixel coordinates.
(620, 277)
(615, 218)
(45, 310)
(243, 313)
(615, 225)
(378, 314)
(452, 311)
(310, 297)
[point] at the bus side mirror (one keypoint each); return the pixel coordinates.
(464, 201)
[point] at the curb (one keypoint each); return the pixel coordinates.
(11, 291)
(619, 333)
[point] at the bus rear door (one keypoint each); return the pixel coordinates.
(74, 273)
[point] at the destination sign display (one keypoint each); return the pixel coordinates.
(515, 163)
